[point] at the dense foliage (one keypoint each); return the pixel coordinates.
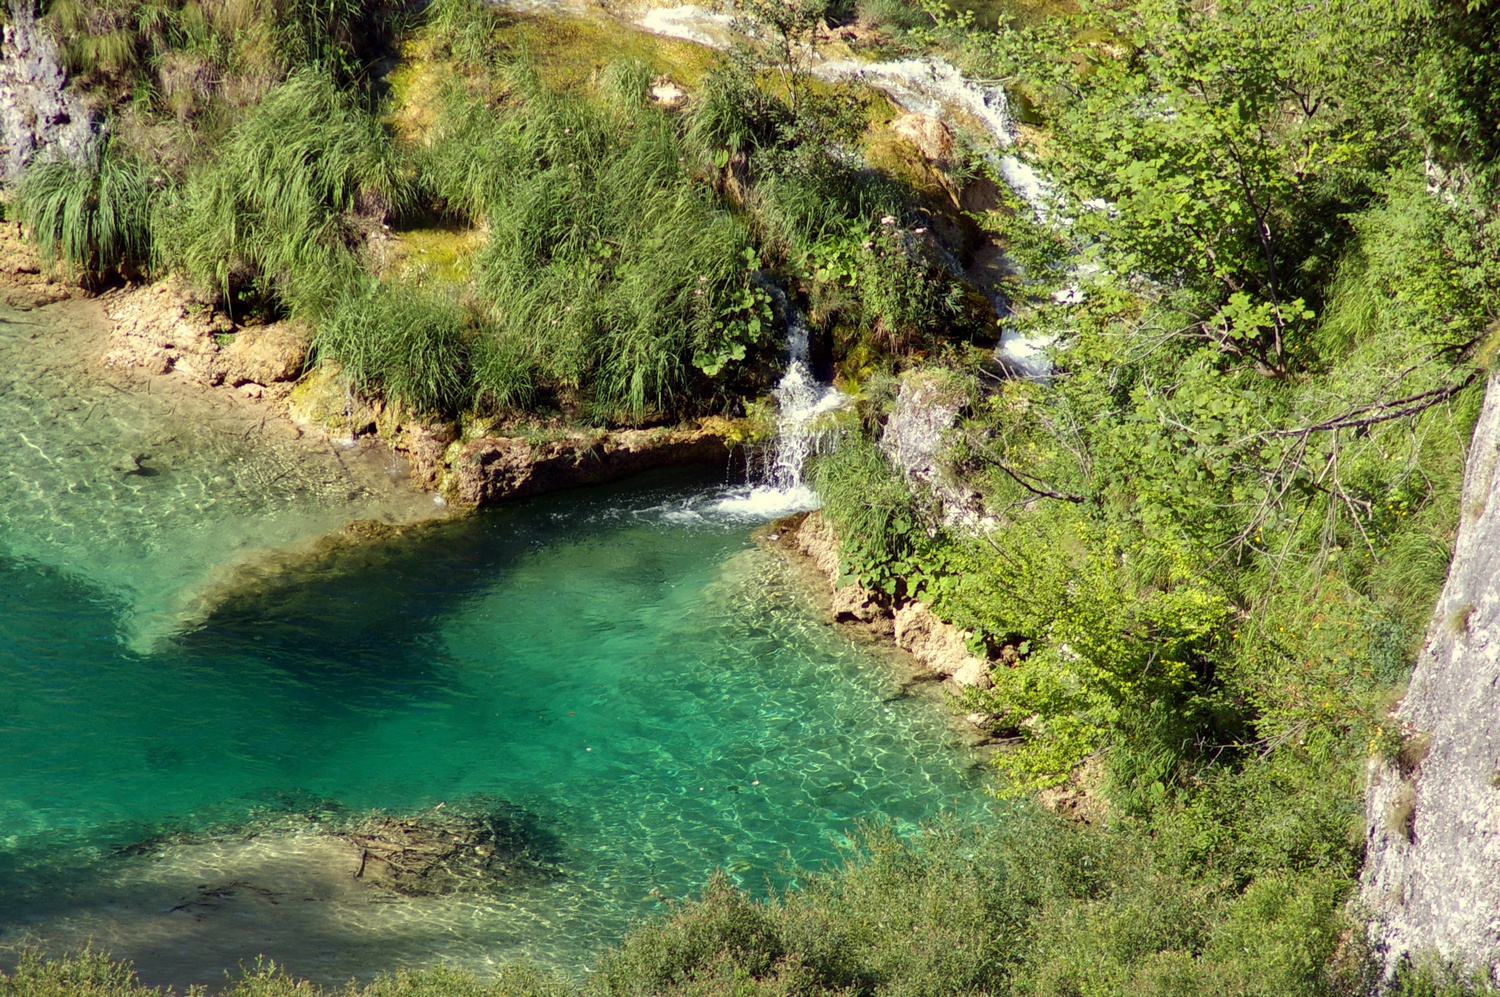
(1220, 524)
(1225, 517)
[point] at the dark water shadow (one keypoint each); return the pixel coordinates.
(364, 625)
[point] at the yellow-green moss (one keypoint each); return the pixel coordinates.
(568, 51)
(415, 90)
(426, 256)
(897, 155)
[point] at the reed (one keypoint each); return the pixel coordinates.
(93, 216)
(400, 342)
(277, 213)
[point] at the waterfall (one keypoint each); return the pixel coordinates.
(803, 400)
(804, 427)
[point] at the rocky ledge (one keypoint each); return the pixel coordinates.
(161, 329)
(492, 469)
(939, 648)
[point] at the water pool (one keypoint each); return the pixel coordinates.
(623, 665)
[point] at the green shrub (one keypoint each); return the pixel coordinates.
(87, 974)
(879, 524)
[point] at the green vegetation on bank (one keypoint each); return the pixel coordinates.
(622, 241)
(1220, 525)
(1223, 521)
(1030, 905)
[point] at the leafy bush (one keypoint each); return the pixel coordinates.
(1026, 905)
(1091, 639)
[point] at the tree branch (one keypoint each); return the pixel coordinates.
(1399, 408)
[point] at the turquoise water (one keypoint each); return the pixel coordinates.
(651, 688)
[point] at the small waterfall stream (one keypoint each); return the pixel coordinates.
(800, 432)
(927, 85)
(804, 426)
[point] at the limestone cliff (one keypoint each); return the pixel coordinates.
(38, 114)
(1432, 872)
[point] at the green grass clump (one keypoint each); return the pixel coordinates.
(275, 213)
(606, 263)
(93, 216)
(409, 345)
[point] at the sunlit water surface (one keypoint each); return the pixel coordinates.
(625, 665)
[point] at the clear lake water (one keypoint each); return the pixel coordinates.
(624, 665)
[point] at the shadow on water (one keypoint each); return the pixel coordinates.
(366, 625)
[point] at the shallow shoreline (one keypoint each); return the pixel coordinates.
(923, 667)
(290, 434)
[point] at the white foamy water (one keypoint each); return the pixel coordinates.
(736, 504)
(802, 429)
(693, 24)
(805, 426)
(928, 86)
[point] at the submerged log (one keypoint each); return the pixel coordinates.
(439, 853)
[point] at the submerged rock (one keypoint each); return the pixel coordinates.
(448, 851)
(479, 844)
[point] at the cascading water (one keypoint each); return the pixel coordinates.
(928, 85)
(804, 427)
(800, 430)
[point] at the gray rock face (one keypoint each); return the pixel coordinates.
(37, 113)
(1432, 871)
(914, 439)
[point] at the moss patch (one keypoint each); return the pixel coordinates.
(442, 255)
(416, 86)
(568, 51)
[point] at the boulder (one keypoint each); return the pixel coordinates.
(931, 137)
(425, 445)
(265, 354)
(940, 646)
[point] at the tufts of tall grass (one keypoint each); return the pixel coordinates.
(466, 29)
(93, 216)
(400, 342)
(276, 213)
(607, 264)
(732, 113)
